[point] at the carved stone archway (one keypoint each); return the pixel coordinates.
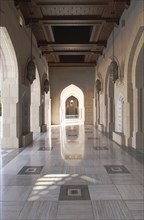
(75, 91)
(9, 91)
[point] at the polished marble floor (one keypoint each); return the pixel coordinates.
(71, 172)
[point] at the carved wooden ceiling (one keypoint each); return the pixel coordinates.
(72, 32)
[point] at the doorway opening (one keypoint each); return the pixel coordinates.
(72, 105)
(72, 108)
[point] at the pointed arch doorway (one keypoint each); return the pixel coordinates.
(72, 105)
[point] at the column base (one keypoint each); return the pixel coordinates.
(118, 138)
(111, 129)
(140, 141)
(43, 128)
(100, 127)
(9, 142)
(27, 139)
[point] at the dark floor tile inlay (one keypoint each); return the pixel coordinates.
(74, 192)
(72, 135)
(100, 148)
(29, 170)
(115, 169)
(89, 132)
(44, 149)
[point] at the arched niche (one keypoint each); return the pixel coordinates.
(72, 107)
(9, 90)
(76, 92)
(109, 104)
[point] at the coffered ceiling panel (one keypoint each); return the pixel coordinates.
(72, 32)
(71, 10)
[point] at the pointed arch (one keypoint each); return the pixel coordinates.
(72, 90)
(133, 90)
(109, 103)
(9, 90)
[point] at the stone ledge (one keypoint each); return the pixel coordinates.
(27, 139)
(118, 138)
(139, 142)
(9, 142)
(43, 128)
(100, 127)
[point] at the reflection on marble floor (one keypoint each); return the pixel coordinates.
(71, 172)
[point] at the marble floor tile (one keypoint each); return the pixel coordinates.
(39, 210)
(13, 168)
(131, 192)
(21, 180)
(4, 152)
(5, 179)
(96, 170)
(134, 165)
(124, 179)
(136, 208)
(44, 193)
(15, 193)
(10, 156)
(73, 169)
(104, 192)
(139, 175)
(111, 210)
(75, 210)
(10, 210)
(90, 179)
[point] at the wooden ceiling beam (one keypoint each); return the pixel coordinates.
(57, 3)
(88, 3)
(45, 43)
(78, 52)
(71, 19)
(51, 64)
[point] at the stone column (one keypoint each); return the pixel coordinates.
(42, 114)
(9, 114)
(27, 135)
(139, 142)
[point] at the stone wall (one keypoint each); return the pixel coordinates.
(16, 91)
(82, 77)
(128, 42)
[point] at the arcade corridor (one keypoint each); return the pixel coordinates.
(71, 109)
